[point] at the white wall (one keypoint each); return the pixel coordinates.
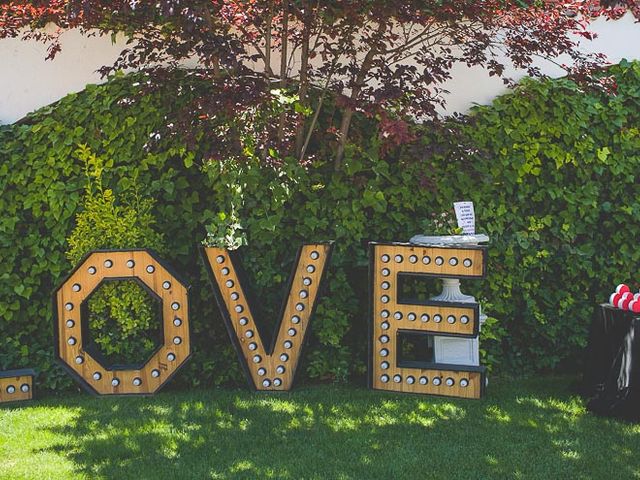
(28, 82)
(616, 39)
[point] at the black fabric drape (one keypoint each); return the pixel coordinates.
(611, 379)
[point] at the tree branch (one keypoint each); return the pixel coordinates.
(347, 116)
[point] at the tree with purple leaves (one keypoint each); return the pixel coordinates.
(275, 64)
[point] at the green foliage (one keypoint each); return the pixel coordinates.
(121, 317)
(104, 222)
(121, 314)
(41, 188)
(225, 232)
(557, 191)
(444, 223)
(551, 169)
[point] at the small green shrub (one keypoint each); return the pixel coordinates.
(122, 319)
(225, 232)
(122, 322)
(106, 223)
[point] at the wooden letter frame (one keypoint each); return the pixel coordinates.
(16, 385)
(274, 367)
(390, 318)
(82, 361)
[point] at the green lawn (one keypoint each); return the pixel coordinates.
(523, 429)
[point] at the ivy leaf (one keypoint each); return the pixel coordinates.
(603, 153)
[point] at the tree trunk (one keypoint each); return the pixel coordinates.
(347, 116)
(215, 64)
(358, 83)
(283, 63)
(304, 77)
(267, 41)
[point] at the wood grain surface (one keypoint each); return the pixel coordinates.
(271, 370)
(12, 388)
(123, 265)
(390, 316)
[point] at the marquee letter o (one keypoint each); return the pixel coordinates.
(71, 321)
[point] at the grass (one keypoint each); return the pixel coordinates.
(532, 428)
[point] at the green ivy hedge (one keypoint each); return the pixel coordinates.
(558, 192)
(552, 171)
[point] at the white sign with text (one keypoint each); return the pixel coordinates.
(466, 217)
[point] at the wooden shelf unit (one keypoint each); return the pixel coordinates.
(390, 316)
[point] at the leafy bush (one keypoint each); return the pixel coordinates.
(121, 314)
(41, 185)
(550, 168)
(558, 193)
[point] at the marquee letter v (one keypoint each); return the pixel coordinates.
(274, 367)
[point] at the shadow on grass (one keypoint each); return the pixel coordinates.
(531, 429)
